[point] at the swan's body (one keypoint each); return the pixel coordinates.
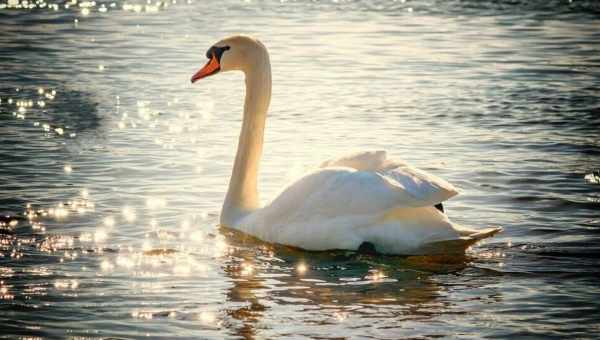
(363, 197)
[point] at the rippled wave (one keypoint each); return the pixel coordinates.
(114, 167)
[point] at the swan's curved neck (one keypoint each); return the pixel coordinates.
(242, 195)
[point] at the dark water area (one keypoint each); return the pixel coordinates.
(114, 168)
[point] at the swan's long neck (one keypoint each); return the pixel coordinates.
(242, 196)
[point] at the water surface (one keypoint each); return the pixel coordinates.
(114, 167)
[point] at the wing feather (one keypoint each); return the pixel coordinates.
(423, 186)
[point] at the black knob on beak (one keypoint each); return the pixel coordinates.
(217, 51)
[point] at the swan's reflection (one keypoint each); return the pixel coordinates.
(329, 288)
(244, 294)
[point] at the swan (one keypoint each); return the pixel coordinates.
(359, 201)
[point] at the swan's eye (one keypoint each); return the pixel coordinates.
(217, 51)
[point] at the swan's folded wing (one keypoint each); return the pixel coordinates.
(363, 161)
(344, 191)
(424, 187)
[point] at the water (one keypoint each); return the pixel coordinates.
(114, 167)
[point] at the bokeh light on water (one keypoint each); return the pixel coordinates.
(114, 167)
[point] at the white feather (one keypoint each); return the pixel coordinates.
(362, 198)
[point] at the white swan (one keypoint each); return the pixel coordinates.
(360, 199)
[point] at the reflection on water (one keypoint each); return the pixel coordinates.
(114, 168)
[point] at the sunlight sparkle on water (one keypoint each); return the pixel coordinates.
(106, 265)
(5, 293)
(109, 221)
(340, 316)
(182, 269)
(185, 225)
(125, 262)
(301, 268)
(207, 318)
(593, 177)
(129, 214)
(375, 275)
(221, 248)
(59, 212)
(196, 236)
(146, 245)
(100, 235)
(66, 284)
(247, 269)
(142, 315)
(156, 203)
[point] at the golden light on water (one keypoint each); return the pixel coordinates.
(340, 316)
(183, 269)
(142, 315)
(156, 203)
(109, 221)
(59, 212)
(154, 225)
(100, 235)
(247, 269)
(375, 275)
(105, 265)
(301, 268)
(125, 261)
(221, 248)
(207, 318)
(128, 213)
(66, 284)
(196, 236)
(146, 245)
(5, 292)
(185, 225)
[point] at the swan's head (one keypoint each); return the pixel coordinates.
(234, 53)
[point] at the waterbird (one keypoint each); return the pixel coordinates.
(360, 201)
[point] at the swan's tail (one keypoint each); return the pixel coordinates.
(480, 234)
(459, 245)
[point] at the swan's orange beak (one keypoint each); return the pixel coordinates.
(211, 67)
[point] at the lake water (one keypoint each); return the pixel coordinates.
(114, 167)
